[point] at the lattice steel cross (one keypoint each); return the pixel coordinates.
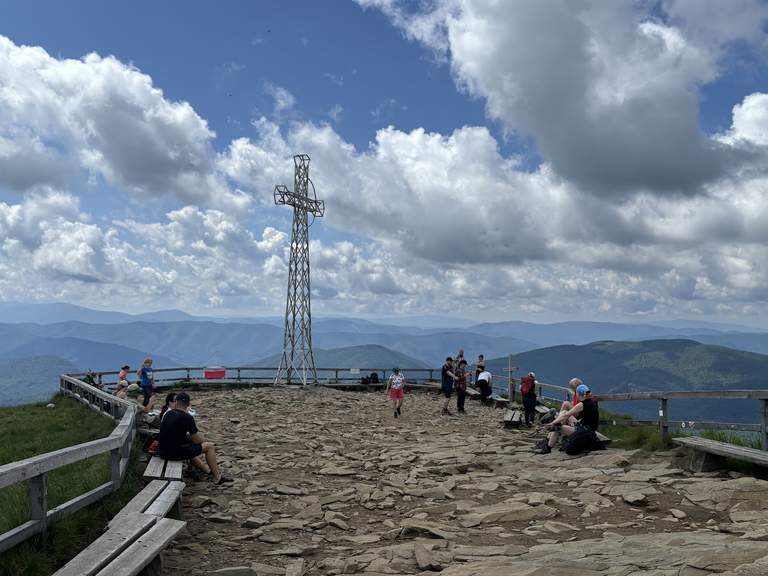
(297, 342)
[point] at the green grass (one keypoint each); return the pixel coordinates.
(31, 430)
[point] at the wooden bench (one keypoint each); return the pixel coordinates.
(541, 409)
(131, 547)
(159, 469)
(604, 440)
(159, 498)
(499, 402)
(711, 455)
(512, 419)
(472, 393)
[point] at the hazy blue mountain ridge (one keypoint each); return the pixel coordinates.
(32, 379)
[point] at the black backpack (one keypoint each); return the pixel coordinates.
(583, 439)
(374, 378)
(365, 380)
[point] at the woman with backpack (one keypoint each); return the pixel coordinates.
(585, 412)
(529, 389)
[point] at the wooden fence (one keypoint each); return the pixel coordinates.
(36, 469)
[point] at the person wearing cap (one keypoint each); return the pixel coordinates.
(585, 412)
(176, 424)
(568, 404)
(396, 389)
(529, 390)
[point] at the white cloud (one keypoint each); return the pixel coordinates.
(336, 112)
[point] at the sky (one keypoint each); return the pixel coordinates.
(515, 160)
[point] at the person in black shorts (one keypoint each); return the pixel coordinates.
(174, 444)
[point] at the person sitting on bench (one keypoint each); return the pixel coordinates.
(585, 412)
(176, 424)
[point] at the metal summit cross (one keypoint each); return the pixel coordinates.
(297, 342)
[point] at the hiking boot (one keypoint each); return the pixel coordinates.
(463, 412)
(447, 412)
(529, 424)
(398, 411)
(395, 413)
(545, 450)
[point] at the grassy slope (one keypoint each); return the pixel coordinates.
(33, 429)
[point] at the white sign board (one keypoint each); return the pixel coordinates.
(354, 370)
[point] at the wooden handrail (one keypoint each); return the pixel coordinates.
(36, 468)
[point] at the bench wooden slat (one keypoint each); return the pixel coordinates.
(174, 470)
(724, 449)
(108, 546)
(142, 500)
(144, 550)
(154, 468)
(165, 501)
(541, 409)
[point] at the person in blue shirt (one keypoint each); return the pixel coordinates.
(147, 376)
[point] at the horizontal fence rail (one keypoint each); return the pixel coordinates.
(36, 468)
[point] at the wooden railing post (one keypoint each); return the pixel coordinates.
(511, 384)
(114, 456)
(663, 430)
(40, 500)
(764, 423)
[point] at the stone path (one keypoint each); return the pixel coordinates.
(328, 482)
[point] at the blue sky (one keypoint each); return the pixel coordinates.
(519, 160)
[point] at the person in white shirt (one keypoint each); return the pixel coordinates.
(484, 382)
(396, 390)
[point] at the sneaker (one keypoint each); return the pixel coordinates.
(463, 412)
(223, 480)
(398, 411)
(545, 450)
(195, 474)
(395, 413)
(447, 412)
(529, 424)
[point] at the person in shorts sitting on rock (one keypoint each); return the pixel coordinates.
(176, 424)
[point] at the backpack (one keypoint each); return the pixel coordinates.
(548, 417)
(580, 441)
(526, 386)
(365, 380)
(374, 378)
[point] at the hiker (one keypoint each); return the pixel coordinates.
(484, 383)
(585, 412)
(144, 417)
(170, 404)
(396, 390)
(447, 377)
(461, 386)
(529, 389)
(458, 358)
(123, 375)
(122, 386)
(173, 431)
(567, 405)
(147, 376)
(479, 368)
(91, 379)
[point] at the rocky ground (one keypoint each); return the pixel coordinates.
(328, 482)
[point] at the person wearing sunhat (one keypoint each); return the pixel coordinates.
(174, 428)
(585, 412)
(144, 416)
(396, 390)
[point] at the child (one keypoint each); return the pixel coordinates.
(397, 384)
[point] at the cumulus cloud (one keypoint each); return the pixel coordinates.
(609, 91)
(60, 117)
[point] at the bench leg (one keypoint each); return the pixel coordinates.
(154, 568)
(706, 462)
(177, 512)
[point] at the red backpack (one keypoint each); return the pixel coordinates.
(526, 386)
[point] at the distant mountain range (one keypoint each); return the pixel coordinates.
(669, 355)
(33, 379)
(652, 365)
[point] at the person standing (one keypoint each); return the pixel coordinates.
(479, 368)
(461, 386)
(123, 374)
(147, 376)
(458, 358)
(447, 377)
(396, 389)
(529, 389)
(484, 382)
